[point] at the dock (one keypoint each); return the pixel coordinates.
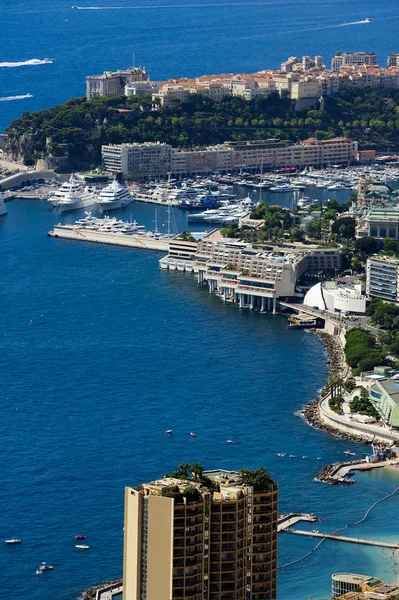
(343, 538)
(286, 521)
(82, 234)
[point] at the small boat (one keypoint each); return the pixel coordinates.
(278, 454)
(80, 537)
(13, 541)
(319, 458)
(305, 456)
(292, 456)
(169, 431)
(193, 434)
(229, 442)
(43, 567)
(82, 546)
(349, 453)
(283, 454)
(368, 20)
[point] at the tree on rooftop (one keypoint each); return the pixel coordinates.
(259, 479)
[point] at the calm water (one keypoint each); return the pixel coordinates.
(174, 38)
(101, 353)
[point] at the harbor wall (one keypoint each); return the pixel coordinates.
(132, 241)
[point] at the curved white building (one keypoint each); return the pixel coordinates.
(330, 296)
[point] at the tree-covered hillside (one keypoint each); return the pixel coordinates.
(370, 116)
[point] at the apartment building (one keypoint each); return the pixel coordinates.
(155, 159)
(307, 87)
(344, 59)
(112, 83)
(187, 540)
(382, 278)
(393, 60)
(148, 159)
(168, 95)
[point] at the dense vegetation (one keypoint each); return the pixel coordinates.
(370, 116)
(362, 352)
(363, 406)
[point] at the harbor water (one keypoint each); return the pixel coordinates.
(101, 353)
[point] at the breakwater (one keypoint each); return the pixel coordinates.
(92, 593)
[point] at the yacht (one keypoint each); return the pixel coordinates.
(14, 541)
(76, 201)
(73, 185)
(3, 208)
(282, 188)
(368, 20)
(306, 202)
(114, 196)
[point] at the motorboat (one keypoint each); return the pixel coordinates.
(368, 20)
(113, 196)
(80, 537)
(305, 457)
(13, 541)
(193, 434)
(169, 431)
(306, 202)
(44, 567)
(82, 546)
(349, 453)
(229, 442)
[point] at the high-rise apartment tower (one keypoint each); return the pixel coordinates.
(214, 540)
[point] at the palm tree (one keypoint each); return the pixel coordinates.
(197, 470)
(184, 468)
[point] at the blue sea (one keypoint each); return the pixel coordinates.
(173, 38)
(101, 352)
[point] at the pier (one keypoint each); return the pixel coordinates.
(344, 538)
(286, 521)
(82, 234)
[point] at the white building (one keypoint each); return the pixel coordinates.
(148, 160)
(334, 298)
(112, 83)
(383, 278)
(170, 94)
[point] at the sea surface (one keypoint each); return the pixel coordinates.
(172, 38)
(101, 352)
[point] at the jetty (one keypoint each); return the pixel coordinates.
(82, 234)
(286, 521)
(344, 538)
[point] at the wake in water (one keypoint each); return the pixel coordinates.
(25, 63)
(365, 21)
(10, 98)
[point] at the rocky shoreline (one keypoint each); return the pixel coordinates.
(91, 593)
(336, 366)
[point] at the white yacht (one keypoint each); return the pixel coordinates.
(3, 208)
(114, 196)
(282, 188)
(73, 185)
(76, 201)
(306, 202)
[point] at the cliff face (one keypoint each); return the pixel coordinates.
(19, 148)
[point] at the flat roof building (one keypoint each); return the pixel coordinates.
(382, 278)
(189, 540)
(384, 396)
(330, 296)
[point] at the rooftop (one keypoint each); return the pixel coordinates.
(352, 578)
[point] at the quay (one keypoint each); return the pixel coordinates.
(82, 234)
(286, 521)
(343, 538)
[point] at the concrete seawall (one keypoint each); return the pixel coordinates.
(73, 232)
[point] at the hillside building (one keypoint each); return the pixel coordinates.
(112, 83)
(382, 278)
